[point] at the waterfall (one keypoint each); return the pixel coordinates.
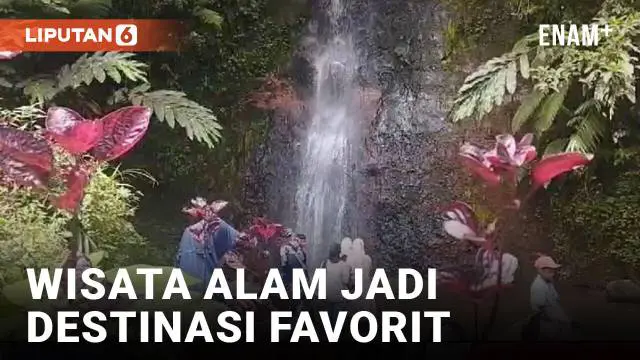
(324, 183)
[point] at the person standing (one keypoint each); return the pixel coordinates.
(293, 256)
(554, 324)
(360, 260)
(338, 279)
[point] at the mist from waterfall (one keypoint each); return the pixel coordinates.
(325, 181)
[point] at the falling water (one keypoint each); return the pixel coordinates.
(325, 179)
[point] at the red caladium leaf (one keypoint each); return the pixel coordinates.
(557, 164)
(123, 129)
(24, 159)
(264, 230)
(69, 129)
(76, 179)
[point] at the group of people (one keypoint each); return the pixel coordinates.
(199, 260)
(340, 266)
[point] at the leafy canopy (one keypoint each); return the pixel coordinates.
(602, 76)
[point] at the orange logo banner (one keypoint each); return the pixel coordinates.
(75, 35)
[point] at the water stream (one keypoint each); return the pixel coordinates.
(325, 180)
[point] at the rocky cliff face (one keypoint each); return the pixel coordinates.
(403, 172)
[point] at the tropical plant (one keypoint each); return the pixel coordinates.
(29, 161)
(601, 77)
(168, 106)
(501, 171)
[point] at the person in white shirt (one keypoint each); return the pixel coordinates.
(338, 279)
(360, 260)
(553, 321)
(346, 247)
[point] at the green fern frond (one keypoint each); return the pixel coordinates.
(548, 109)
(39, 90)
(526, 109)
(590, 127)
(555, 147)
(173, 107)
(99, 66)
(485, 88)
(23, 117)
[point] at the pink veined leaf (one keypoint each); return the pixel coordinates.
(218, 205)
(524, 155)
(508, 143)
(471, 150)
(207, 216)
(457, 229)
(481, 170)
(76, 180)
(69, 129)
(508, 154)
(554, 165)
(123, 129)
(462, 212)
(526, 140)
(25, 160)
(195, 213)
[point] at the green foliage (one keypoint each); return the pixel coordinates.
(121, 68)
(603, 75)
(32, 234)
(173, 107)
(600, 222)
(107, 210)
(84, 71)
(208, 16)
(487, 87)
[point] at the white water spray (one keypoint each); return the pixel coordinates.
(325, 181)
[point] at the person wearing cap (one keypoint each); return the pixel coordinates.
(554, 324)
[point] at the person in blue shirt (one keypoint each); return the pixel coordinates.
(198, 259)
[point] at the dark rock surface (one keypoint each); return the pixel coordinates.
(623, 291)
